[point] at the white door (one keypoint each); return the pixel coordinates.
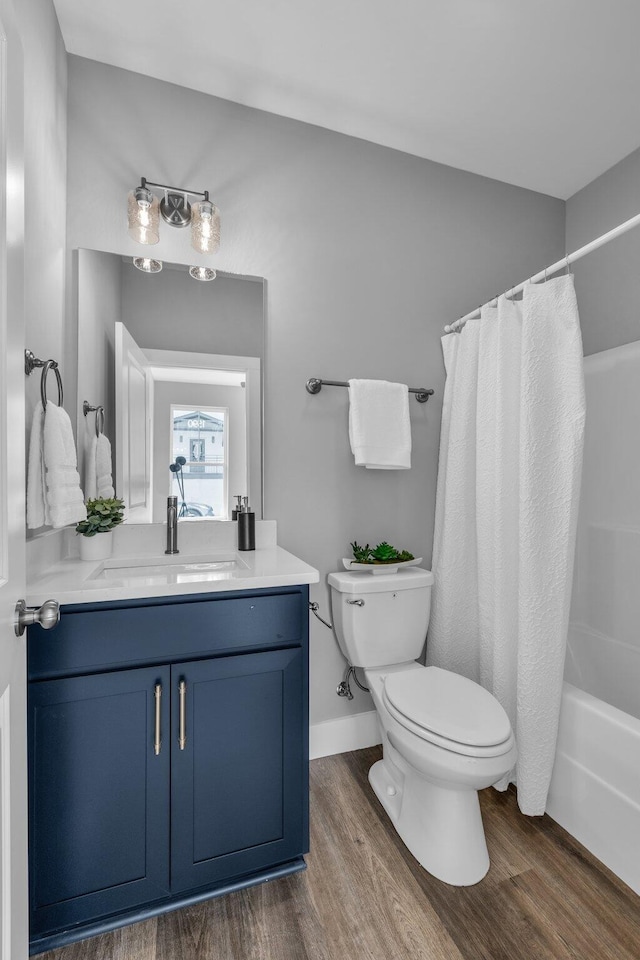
(134, 437)
(13, 740)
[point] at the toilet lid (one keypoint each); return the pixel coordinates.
(449, 705)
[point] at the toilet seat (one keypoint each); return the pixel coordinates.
(449, 711)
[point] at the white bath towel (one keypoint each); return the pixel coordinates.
(379, 424)
(64, 497)
(90, 472)
(98, 470)
(104, 467)
(37, 507)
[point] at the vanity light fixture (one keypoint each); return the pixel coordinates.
(202, 273)
(175, 209)
(147, 265)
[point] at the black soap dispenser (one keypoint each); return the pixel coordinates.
(236, 510)
(246, 527)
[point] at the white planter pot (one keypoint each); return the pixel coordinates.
(99, 547)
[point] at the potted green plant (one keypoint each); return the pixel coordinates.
(383, 553)
(103, 514)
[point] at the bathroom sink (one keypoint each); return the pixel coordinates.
(149, 571)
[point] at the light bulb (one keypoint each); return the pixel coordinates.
(147, 265)
(205, 227)
(142, 206)
(202, 273)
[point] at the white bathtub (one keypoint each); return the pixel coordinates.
(595, 788)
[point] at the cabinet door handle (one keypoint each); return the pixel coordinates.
(157, 740)
(182, 735)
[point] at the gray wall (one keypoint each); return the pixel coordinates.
(367, 252)
(45, 152)
(45, 156)
(171, 311)
(608, 280)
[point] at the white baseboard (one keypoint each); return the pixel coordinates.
(346, 733)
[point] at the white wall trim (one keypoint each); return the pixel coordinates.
(344, 734)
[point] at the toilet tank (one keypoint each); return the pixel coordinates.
(381, 618)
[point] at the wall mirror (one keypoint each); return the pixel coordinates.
(177, 365)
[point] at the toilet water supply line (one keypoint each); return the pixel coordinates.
(343, 689)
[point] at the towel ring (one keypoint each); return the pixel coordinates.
(99, 412)
(50, 365)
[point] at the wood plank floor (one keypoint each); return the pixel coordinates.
(364, 897)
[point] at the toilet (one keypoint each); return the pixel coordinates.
(444, 737)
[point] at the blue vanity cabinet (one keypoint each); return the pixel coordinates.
(99, 809)
(232, 806)
(139, 805)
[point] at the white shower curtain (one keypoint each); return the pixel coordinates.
(506, 512)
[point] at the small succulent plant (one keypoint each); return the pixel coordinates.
(383, 553)
(103, 514)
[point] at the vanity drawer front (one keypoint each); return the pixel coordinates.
(109, 636)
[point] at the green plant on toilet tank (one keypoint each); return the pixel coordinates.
(103, 514)
(383, 553)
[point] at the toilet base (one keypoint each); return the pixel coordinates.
(441, 827)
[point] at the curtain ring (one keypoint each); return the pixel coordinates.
(545, 274)
(568, 265)
(50, 365)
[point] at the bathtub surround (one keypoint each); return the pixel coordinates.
(506, 513)
(595, 789)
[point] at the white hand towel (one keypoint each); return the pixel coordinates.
(37, 507)
(104, 467)
(379, 424)
(90, 474)
(63, 494)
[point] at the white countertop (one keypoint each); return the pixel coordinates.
(131, 576)
(75, 581)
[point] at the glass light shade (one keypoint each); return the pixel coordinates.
(202, 273)
(143, 216)
(147, 265)
(205, 227)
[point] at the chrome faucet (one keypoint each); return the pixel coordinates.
(172, 525)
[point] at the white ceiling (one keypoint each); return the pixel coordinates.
(543, 94)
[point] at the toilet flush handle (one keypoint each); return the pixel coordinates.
(356, 603)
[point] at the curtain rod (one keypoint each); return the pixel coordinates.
(565, 262)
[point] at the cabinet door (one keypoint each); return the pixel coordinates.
(99, 799)
(238, 772)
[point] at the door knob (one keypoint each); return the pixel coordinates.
(47, 616)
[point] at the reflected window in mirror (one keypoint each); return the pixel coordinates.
(201, 438)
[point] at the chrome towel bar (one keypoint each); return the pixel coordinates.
(314, 385)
